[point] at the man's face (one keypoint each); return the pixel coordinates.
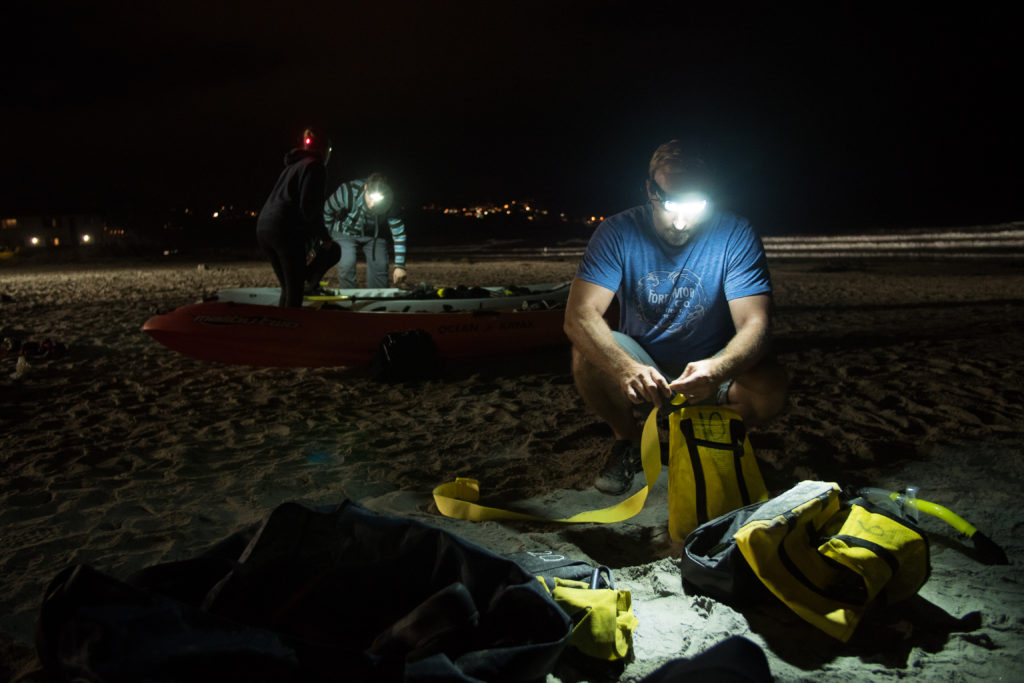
(674, 226)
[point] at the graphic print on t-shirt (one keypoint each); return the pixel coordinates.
(671, 301)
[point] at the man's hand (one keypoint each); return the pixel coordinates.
(642, 383)
(699, 380)
(398, 275)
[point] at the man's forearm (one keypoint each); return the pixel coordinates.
(744, 350)
(592, 337)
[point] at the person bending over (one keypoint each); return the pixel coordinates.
(694, 297)
(360, 215)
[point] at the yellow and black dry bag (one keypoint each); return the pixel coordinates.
(712, 469)
(827, 560)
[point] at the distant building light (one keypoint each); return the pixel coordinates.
(56, 241)
(85, 238)
(216, 214)
(34, 241)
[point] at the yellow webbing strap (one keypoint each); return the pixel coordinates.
(458, 498)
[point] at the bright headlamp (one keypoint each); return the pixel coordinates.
(687, 207)
(376, 197)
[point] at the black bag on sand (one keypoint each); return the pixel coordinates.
(401, 356)
(326, 594)
(712, 565)
(734, 660)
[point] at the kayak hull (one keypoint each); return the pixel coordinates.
(270, 336)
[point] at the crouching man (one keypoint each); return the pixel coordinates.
(694, 298)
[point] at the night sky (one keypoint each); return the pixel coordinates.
(813, 119)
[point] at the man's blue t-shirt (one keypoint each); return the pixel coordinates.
(674, 300)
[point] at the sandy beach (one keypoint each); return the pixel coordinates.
(122, 454)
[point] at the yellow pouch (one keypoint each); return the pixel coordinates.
(712, 469)
(603, 618)
(891, 557)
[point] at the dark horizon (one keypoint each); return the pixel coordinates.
(815, 121)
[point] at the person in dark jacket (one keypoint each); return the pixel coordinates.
(291, 224)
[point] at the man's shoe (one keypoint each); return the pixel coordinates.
(617, 474)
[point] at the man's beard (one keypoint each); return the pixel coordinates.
(675, 238)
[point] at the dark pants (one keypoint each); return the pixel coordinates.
(286, 251)
(376, 252)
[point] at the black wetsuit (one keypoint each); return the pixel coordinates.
(291, 221)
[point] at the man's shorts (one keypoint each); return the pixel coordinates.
(633, 348)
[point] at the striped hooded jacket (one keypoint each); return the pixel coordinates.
(345, 213)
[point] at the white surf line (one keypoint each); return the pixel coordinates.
(775, 254)
(868, 246)
(994, 242)
(999, 243)
(957, 236)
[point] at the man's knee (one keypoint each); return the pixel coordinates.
(761, 393)
(590, 379)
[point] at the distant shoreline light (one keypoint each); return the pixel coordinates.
(526, 208)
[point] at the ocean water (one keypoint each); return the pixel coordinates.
(1001, 242)
(1004, 241)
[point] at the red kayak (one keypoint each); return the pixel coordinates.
(248, 334)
